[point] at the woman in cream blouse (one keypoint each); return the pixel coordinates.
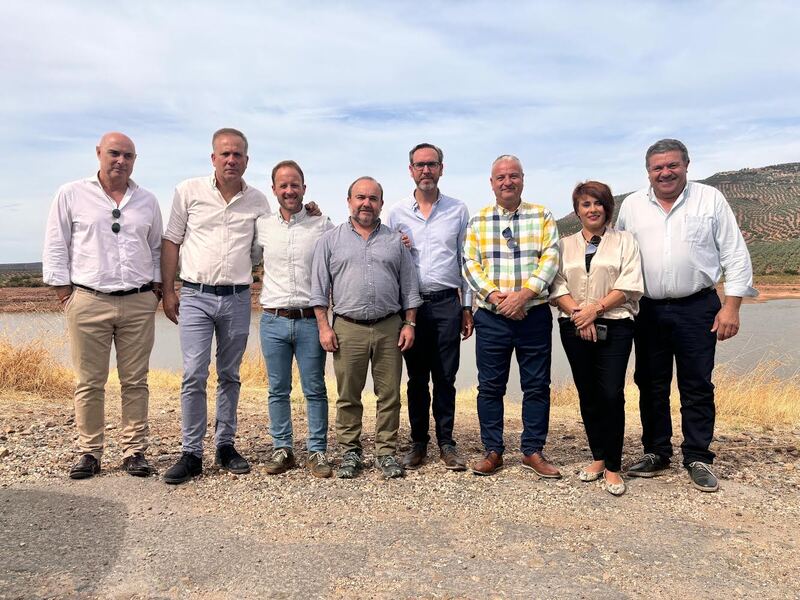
(597, 291)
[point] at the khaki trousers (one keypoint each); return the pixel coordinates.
(94, 321)
(360, 345)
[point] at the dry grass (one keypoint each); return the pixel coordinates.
(32, 368)
(758, 397)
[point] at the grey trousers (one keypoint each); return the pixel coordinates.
(202, 316)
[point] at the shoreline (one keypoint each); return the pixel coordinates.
(42, 299)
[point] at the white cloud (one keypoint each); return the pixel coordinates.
(577, 90)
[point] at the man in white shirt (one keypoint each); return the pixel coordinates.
(436, 225)
(101, 254)
(288, 325)
(689, 239)
(212, 227)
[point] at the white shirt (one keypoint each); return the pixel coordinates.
(288, 252)
(690, 247)
(217, 238)
(80, 247)
(437, 242)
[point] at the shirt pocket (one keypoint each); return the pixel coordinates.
(696, 229)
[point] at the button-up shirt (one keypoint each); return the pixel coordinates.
(288, 254)
(80, 246)
(217, 238)
(690, 247)
(368, 279)
(615, 266)
(437, 242)
(490, 265)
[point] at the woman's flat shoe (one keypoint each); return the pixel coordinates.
(615, 489)
(589, 475)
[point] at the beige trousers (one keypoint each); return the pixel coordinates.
(94, 321)
(360, 345)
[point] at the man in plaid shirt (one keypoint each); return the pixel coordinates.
(510, 258)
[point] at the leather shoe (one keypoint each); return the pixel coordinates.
(136, 464)
(282, 460)
(229, 459)
(415, 457)
(188, 466)
(86, 466)
(537, 463)
(702, 476)
(489, 464)
(451, 459)
(650, 465)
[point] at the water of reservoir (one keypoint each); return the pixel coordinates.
(769, 332)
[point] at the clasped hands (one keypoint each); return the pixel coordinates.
(583, 318)
(512, 304)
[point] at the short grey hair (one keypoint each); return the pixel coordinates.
(229, 131)
(666, 145)
(364, 178)
(503, 157)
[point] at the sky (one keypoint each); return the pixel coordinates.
(577, 90)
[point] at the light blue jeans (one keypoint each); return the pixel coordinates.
(282, 338)
(202, 316)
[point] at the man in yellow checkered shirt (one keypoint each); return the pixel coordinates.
(510, 258)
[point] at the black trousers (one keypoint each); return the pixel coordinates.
(434, 356)
(598, 369)
(680, 330)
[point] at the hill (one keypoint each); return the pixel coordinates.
(766, 202)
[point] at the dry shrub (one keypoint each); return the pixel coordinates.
(30, 367)
(758, 396)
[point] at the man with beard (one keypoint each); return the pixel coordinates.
(369, 275)
(436, 225)
(510, 259)
(101, 254)
(288, 324)
(688, 238)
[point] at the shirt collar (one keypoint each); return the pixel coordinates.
(295, 218)
(508, 213)
(213, 183)
(652, 196)
(415, 204)
(96, 180)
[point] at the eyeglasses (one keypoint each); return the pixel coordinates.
(509, 236)
(116, 213)
(431, 164)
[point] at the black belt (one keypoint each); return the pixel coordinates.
(439, 294)
(695, 296)
(291, 313)
(147, 287)
(217, 290)
(365, 321)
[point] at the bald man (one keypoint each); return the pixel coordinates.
(102, 253)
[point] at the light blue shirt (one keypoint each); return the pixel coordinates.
(437, 242)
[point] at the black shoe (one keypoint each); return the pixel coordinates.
(86, 466)
(415, 457)
(188, 466)
(702, 476)
(230, 460)
(136, 464)
(649, 465)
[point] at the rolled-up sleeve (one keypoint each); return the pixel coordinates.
(473, 267)
(630, 280)
(178, 216)
(409, 282)
(57, 240)
(734, 257)
(320, 273)
(559, 286)
(547, 268)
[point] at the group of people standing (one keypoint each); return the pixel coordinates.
(374, 292)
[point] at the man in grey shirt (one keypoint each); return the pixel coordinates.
(370, 276)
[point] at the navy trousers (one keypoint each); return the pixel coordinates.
(531, 339)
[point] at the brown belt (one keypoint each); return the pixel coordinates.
(291, 313)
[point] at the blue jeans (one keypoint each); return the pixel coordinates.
(202, 316)
(282, 338)
(531, 338)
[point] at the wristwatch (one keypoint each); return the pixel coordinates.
(410, 323)
(602, 309)
(467, 308)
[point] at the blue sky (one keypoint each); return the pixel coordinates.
(576, 90)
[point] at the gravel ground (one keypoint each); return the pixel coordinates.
(435, 534)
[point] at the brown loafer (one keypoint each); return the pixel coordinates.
(489, 464)
(452, 461)
(537, 463)
(415, 457)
